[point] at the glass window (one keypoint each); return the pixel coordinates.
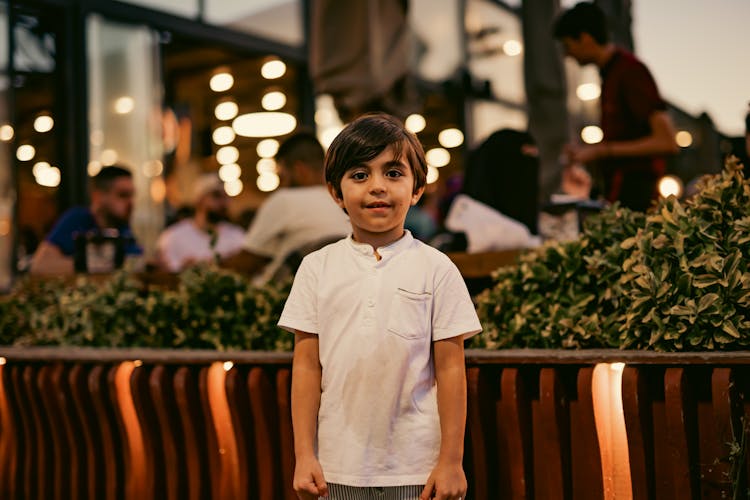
(437, 28)
(495, 46)
(6, 179)
(278, 20)
(125, 116)
(184, 8)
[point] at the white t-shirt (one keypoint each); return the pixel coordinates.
(378, 422)
(290, 219)
(183, 242)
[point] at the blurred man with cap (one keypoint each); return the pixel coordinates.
(204, 237)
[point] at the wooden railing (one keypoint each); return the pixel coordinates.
(142, 424)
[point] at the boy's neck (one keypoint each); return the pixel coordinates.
(376, 241)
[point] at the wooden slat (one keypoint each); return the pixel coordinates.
(242, 420)
(161, 388)
(266, 431)
(212, 441)
(43, 471)
(636, 406)
(65, 464)
(478, 443)
(514, 423)
(286, 435)
(586, 462)
(552, 480)
(92, 454)
(11, 434)
(193, 434)
(726, 430)
(153, 456)
(681, 433)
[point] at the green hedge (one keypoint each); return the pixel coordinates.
(675, 279)
(210, 308)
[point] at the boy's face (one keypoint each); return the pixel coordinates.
(377, 195)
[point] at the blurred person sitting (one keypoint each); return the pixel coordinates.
(637, 130)
(298, 217)
(112, 194)
(206, 235)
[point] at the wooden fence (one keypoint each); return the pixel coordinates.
(142, 424)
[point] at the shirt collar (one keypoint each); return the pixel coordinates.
(384, 252)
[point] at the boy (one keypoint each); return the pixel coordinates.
(378, 378)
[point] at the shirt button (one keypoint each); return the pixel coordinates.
(370, 302)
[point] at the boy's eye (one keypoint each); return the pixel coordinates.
(394, 173)
(359, 176)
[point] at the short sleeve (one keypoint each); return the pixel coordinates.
(300, 310)
(453, 312)
(641, 93)
(263, 235)
(62, 233)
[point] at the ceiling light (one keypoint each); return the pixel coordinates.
(266, 166)
(6, 133)
(227, 154)
(273, 69)
(432, 174)
(109, 157)
(49, 177)
(669, 185)
(588, 91)
(264, 124)
(39, 167)
(233, 188)
(267, 148)
(267, 182)
(230, 172)
(124, 105)
(451, 138)
(272, 101)
(221, 82)
(223, 135)
(684, 138)
(25, 152)
(415, 123)
(43, 123)
(512, 47)
(438, 157)
(226, 110)
(592, 134)
(93, 168)
(152, 168)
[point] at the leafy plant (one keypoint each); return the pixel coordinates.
(675, 279)
(210, 308)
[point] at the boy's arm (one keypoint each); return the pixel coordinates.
(448, 481)
(306, 375)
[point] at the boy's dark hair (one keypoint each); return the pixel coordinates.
(302, 146)
(367, 137)
(107, 175)
(583, 17)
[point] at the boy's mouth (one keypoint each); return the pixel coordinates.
(378, 204)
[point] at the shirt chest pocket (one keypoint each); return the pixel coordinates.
(410, 314)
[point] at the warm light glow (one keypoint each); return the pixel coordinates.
(272, 101)
(109, 157)
(25, 152)
(433, 174)
(592, 134)
(137, 363)
(669, 185)
(451, 138)
(223, 135)
(415, 123)
(324, 116)
(152, 168)
(6, 133)
(43, 123)
(221, 82)
(233, 188)
(226, 110)
(227, 154)
(39, 167)
(328, 135)
(97, 138)
(266, 166)
(3, 361)
(617, 367)
(230, 172)
(228, 365)
(49, 177)
(264, 124)
(94, 167)
(512, 47)
(124, 105)
(158, 189)
(273, 69)
(4, 231)
(267, 182)
(438, 157)
(267, 148)
(588, 91)
(684, 138)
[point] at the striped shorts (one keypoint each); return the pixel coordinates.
(343, 492)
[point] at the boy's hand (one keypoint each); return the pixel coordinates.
(309, 482)
(447, 482)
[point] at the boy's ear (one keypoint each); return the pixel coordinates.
(334, 194)
(417, 195)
